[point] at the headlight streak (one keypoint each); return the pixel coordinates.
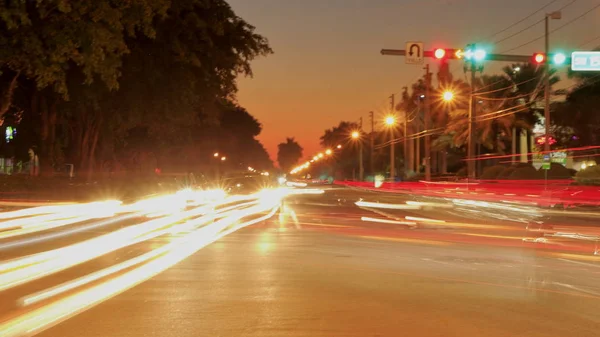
(29, 268)
(51, 236)
(158, 260)
(35, 266)
(386, 206)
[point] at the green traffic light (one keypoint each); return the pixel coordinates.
(559, 58)
(476, 55)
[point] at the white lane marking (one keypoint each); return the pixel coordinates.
(581, 263)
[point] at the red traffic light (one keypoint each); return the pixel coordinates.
(445, 54)
(439, 53)
(539, 58)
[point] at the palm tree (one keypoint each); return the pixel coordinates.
(288, 154)
(494, 114)
(527, 81)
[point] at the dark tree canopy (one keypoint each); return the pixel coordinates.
(106, 80)
(288, 154)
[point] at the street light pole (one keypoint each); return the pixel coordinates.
(556, 16)
(392, 161)
(406, 163)
(372, 140)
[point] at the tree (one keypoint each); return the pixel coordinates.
(345, 158)
(288, 154)
(493, 123)
(576, 121)
(527, 80)
(43, 40)
(168, 73)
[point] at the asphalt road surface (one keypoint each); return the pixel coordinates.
(393, 265)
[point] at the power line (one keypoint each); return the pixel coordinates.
(522, 20)
(554, 30)
(520, 31)
(589, 41)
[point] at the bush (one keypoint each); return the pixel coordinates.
(589, 176)
(525, 172)
(492, 172)
(557, 171)
(415, 177)
(506, 172)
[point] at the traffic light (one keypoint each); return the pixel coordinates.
(555, 59)
(559, 58)
(539, 58)
(441, 53)
(475, 54)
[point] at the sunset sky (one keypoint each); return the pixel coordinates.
(327, 67)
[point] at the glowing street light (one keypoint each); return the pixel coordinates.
(448, 96)
(320, 155)
(339, 146)
(315, 158)
(356, 137)
(328, 152)
(223, 158)
(216, 154)
(390, 120)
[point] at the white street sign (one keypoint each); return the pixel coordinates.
(414, 53)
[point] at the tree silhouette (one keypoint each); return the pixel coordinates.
(288, 154)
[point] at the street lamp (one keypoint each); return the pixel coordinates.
(390, 121)
(339, 146)
(448, 96)
(328, 152)
(320, 155)
(356, 136)
(216, 154)
(556, 15)
(223, 158)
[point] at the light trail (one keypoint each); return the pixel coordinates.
(386, 206)
(26, 269)
(150, 264)
(56, 235)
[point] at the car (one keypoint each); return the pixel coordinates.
(247, 184)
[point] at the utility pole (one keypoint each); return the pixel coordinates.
(372, 139)
(392, 161)
(361, 170)
(406, 161)
(417, 139)
(426, 122)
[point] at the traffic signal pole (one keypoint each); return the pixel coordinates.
(472, 113)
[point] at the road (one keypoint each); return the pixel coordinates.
(324, 266)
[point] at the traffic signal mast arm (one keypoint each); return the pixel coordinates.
(452, 54)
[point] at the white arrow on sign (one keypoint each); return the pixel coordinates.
(414, 53)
